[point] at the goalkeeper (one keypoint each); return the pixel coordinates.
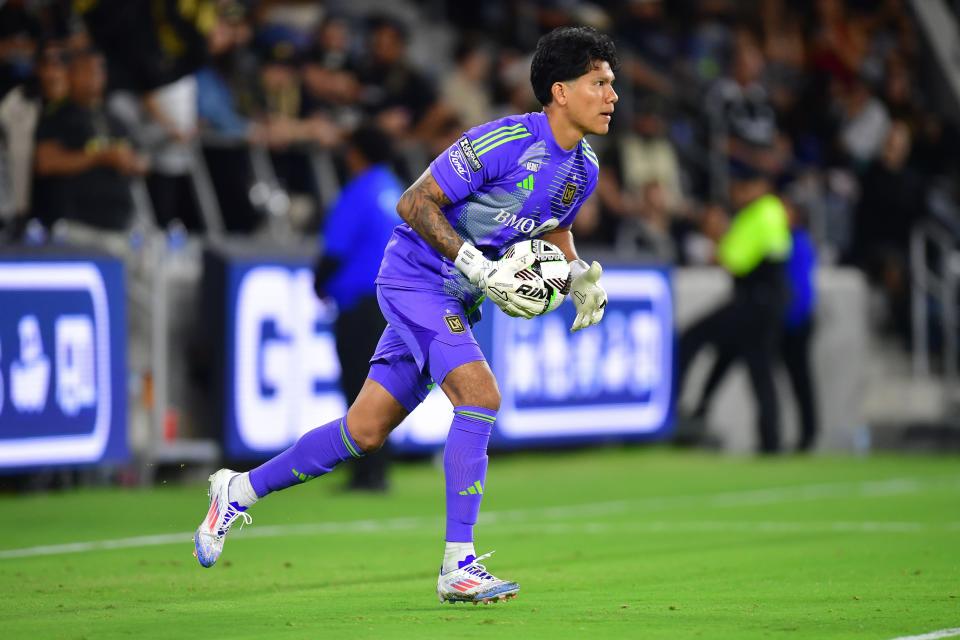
(502, 182)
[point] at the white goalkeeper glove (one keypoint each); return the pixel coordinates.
(589, 298)
(497, 279)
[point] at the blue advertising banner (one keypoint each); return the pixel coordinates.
(612, 381)
(62, 362)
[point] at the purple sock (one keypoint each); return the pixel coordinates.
(465, 468)
(316, 452)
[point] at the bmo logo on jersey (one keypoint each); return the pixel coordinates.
(528, 226)
(57, 362)
(285, 369)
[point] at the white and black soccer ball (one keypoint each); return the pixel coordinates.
(548, 279)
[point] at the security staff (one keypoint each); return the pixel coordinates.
(355, 232)
(754, 250)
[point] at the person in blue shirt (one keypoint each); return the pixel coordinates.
(799, 324)
(355, 232)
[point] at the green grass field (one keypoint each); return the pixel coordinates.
(635, 543)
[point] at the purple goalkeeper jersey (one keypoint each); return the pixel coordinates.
(507, 180)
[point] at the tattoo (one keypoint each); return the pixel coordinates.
(419, 206)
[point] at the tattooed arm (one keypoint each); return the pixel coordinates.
(419, 206)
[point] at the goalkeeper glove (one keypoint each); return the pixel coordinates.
(589, 298)
(497, 279)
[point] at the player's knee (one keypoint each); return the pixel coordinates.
(370, 441)
(478, 395)
(472, 385)
(367, 429)
(372, 416)
(486, 398)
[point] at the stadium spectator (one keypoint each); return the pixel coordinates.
(748, 326)
(218, 105)
(638, 157)
(785, 74)
(148, 44)
(355, 232)
(649, 231)
(173, 109)
(892, 202)
(742, 119)
(640, 187)
(400, 99)
(293, 132)
(20, 111)
(329, 73)
(708, 39)
(20, 31)
(84, 158)
(281, 103)
(226, 130)
(840, 40)
(651, 48)
(465, 89)
(513, 88)
(330, 48)
(864, 121)
(697, 237)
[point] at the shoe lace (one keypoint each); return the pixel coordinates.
(230, 518)
(479, 570)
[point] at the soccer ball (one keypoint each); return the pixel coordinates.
(548, 279)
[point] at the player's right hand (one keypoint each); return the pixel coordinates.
(500, 284)
(498, 279)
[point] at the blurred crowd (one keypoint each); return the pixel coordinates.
(228, 115)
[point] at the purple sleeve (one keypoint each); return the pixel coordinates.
(461, 171)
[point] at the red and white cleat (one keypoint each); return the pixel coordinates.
(222, 514)
(473, 583)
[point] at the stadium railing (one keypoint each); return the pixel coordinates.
(935, 273)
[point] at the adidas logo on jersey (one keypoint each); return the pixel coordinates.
(526, 183)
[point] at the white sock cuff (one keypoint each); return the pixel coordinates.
(241, 491)
(454, 553)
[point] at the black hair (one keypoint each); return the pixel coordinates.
(385, 21)
(373, 144)
(567, 53)
(32, 87)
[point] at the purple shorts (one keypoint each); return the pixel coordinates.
(427, 337)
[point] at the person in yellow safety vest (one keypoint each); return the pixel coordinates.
(754, 250)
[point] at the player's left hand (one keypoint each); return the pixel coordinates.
(589, 298)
